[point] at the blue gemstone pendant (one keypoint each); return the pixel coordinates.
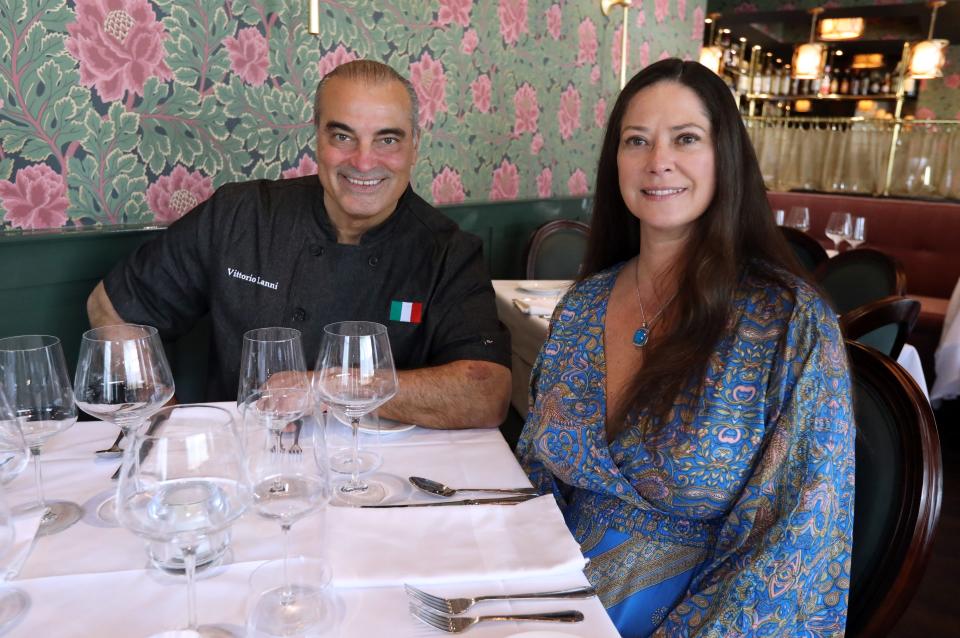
(640, 336)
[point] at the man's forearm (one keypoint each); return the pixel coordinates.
(100, 310)
(462, 394)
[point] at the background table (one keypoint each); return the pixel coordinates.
(92, 580)
(947, 383)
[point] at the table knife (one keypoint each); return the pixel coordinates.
(506, 500)
(145, 448)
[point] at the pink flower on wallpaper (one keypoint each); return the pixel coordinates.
(506, 181)
(248, 55)
(745, 7)
(454, 11)
(952, 81)
(333, 59)
(697, 32)
(119, 44)
(641, 20)
(644, 54)
(587, 43)
(37, 198)
(430, 83)
(924, 113)
(513, 19)
(480, 89)
(526, 109)
(554, 21)
(569, 114)
(661, 9)
(577, 184)
(664, 55)
(545, 183)
(447, 187)
(682, 10)
(306, 167)
(615, 51)
(536, 144)
(177, 193)
(469, 42)
(595, 74)
(600, 113)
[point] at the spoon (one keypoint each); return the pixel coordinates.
(439, 489)
(114, 450)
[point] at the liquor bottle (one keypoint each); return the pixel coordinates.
(844, 88)
(854, 83)
(835, 83)
(874, 83)
(885, 86)
(824, 88)
(766, 77)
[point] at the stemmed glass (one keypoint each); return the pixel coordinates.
(274, 386)
(13, 458)
(799, 218)
(34, 373)
(838, 228)
(355, 375)
(779, 216)
(122, 377)
(183, 480)
(858, 233)
(290, 481)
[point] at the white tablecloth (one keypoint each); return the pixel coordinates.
(528, 332)
(92, 580)
(947, 357)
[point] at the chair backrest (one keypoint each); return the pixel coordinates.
(556, 250)
(884, 324)
(857, 277)
(899, 485)
(807, 250)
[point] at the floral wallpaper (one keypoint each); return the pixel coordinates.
(118, 112)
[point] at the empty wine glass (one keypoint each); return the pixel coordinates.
(314, 612)
(183, 480)
(13, 459)
(799, 218)
(355, 375)
(34, 374)
(13, 602)
(290, 481)
(122, 377)
(838, 228)
(858, 233)
(779, 216)
(274, 386)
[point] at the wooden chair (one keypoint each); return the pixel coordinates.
(856, 277)
(884, 324)
(807, 250)
(556, 250)
(899, 486)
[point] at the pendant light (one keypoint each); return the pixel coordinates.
(841, 28)
(808, 59)
(926, 58)
(712, 56)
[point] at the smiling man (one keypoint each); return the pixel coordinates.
(355, 244)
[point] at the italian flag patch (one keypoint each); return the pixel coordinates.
(406, 311)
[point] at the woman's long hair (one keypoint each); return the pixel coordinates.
(735, 233)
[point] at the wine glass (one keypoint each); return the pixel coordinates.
(838, 228)
(13, 602)
(274, 386)
(316, 611)
(14, 455)
(183, 480)
(355, 375)
(779, 216)
(34, 373)
(799, 218)
(290, 481)
(122, 377)
(858, 233)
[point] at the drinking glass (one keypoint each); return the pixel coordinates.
(273, 387)
(799, 218)
(183, 479)
(290, 481)
(13, 459)
(838, 228)
(314, 612)
(34, 374)
(122, 377)
(354, 376)
(13, 602)
(858, 233)
(779, 216)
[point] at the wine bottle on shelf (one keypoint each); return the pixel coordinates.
(854, 83)
(844, 87)
(824, 88)
(885, 86)
(875, 83)
(766, 78)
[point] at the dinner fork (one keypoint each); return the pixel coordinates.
(458, 624)
(460, 605)
(295, 448)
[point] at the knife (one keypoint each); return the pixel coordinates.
(506, 500)
(145, 448)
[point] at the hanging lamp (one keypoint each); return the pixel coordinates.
(808, 59)
(926, 58)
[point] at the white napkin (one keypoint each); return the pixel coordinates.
(540, 307)
(429, 545)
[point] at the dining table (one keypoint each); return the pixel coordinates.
(525, 306)
(95, 579)
(947, 355)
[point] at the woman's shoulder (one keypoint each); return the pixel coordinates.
(794, 295)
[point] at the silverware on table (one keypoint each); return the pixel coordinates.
(505, 500)
(114, 450)
(439, 489)
(460, 605)
(155, 423)
(457, 624)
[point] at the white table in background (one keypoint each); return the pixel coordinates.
(92, 580)
(528, 332)
(947, 357)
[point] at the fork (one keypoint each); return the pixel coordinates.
(460, 605)
(458, 624)
(295, 448)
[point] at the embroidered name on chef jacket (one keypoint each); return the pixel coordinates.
(406, 311)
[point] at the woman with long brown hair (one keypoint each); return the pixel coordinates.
(690, 409)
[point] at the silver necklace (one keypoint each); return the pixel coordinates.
(642, 334)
